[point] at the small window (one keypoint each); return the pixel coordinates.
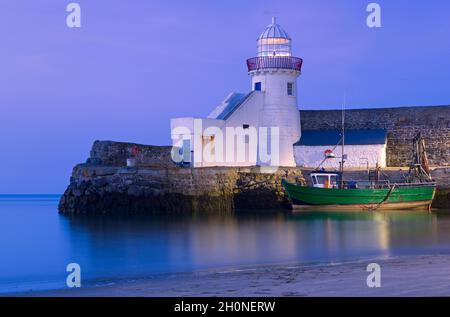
(333, 181)
(186, 150)
(290, 89)
(258, 86)
(321, 179)
(245, 126)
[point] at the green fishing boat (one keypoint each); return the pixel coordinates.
(327, 193)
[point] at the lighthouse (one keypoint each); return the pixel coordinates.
(270, 106)
(274, 72)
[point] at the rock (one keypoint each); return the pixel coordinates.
(135, 191)
(99, 182)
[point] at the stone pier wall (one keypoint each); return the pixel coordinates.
(116, 153)
(104, 184)
(107, 189)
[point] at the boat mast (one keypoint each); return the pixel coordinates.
(343, 141)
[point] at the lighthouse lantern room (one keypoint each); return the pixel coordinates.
(274, 41)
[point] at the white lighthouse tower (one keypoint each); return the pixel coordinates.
(270, 106)
(274, 72)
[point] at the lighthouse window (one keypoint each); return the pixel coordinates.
(290, 89)
(258, 86)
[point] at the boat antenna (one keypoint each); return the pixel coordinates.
(343, 139)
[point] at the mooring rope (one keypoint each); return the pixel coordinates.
(383, 201)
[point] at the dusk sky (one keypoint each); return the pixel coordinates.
(133, 65)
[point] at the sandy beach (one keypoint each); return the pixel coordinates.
(427, 275)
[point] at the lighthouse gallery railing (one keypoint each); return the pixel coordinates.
(279, 62)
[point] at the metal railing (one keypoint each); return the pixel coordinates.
(422, 184)
(275, 62)
(381, 184)
(387, 184)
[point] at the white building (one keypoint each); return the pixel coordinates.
(262, 127)
(363, 149)
(234, 134)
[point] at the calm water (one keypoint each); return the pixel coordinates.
(36, 243)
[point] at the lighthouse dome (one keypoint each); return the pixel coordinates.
(274, 41)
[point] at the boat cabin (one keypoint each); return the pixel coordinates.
(325, 180)
(333, 180)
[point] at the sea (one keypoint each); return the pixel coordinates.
(37, 243)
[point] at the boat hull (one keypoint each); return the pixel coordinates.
(312, 198)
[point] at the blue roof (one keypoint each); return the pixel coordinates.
(233, 102)
(333, 137)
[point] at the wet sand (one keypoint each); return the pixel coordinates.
(401, 276)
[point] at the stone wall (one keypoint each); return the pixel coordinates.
(402, 124)
(108, 189)
(116, 153)
(104, 184)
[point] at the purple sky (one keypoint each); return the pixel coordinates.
(135, 64)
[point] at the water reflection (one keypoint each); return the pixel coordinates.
(36, 243)
(186, 243)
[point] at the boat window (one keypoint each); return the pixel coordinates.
(321, 179)
(333, 179)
